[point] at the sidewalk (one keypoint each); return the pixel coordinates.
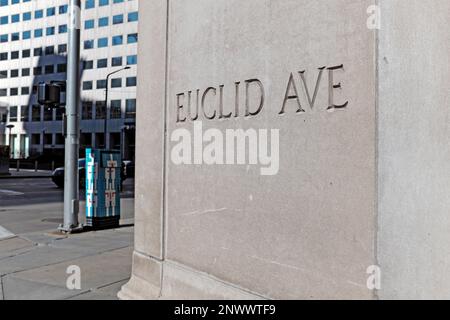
(27, 174)
(34, 265)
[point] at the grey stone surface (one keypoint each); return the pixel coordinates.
(414, 168)
(360, 186)
(295, 235)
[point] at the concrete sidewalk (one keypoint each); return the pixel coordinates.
(34, 265)
(27, 174)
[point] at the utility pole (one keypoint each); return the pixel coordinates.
(106, 104)
(71, 179)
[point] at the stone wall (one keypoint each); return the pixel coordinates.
(335, 93)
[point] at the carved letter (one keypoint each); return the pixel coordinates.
(332, 86)
(179, 108)
(288, 96)
(195, 117)
(221, 115)
(247, 99)
(236, 103)
(203, 103)
(316, 90)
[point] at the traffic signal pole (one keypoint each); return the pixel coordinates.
(72, 144)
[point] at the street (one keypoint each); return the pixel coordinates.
(28, 205)
(34, 257)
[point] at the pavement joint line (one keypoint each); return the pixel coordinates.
(2, 288)
(63, 261)
(79, 294)
(19, 254)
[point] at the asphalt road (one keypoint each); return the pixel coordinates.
(32, 205)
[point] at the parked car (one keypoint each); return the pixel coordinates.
(128, 169)
(58, 175)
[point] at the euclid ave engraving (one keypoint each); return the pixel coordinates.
(208, 104)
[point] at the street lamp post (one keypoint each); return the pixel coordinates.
(106, 104)
(71, 172)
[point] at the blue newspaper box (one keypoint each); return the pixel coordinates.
(103, 188)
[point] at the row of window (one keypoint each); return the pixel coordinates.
(58, 140)
(116, 19)
(62, 67)
(87, 85)
(89, 110)
(115, 83)
(38, 14)
(37, 52)
(50, 31)
(89, 4)
(116, 41)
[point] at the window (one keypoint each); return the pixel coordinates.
(87, 85)
(131, 60)
(25, 91)
(36, 113)
(102, 63)
(100, 110)
(24, 114)
(49, 69)
(62, 48)
(89, 24)
(48, 114)
(101, 84)
(130, 109)
(132, 38)
(62, 68)
(116, 83)
(117, 40)
(133, 16)
(49, 51)
(102, 42)
(103, 22)
(118, 19)
(13, 116)
(88, 65)
(87, 110)
(131, 82)
(116, 109)
(116, 61)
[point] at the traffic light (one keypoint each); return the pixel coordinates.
(49, 94)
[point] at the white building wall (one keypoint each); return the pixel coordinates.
(26, 130)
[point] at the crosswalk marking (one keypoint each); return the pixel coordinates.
(5, 234)
(11, 193)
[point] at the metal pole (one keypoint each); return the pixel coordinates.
(71, 179)
(106, 104)
(106, 112)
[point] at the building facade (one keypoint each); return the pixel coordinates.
(33, 46)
